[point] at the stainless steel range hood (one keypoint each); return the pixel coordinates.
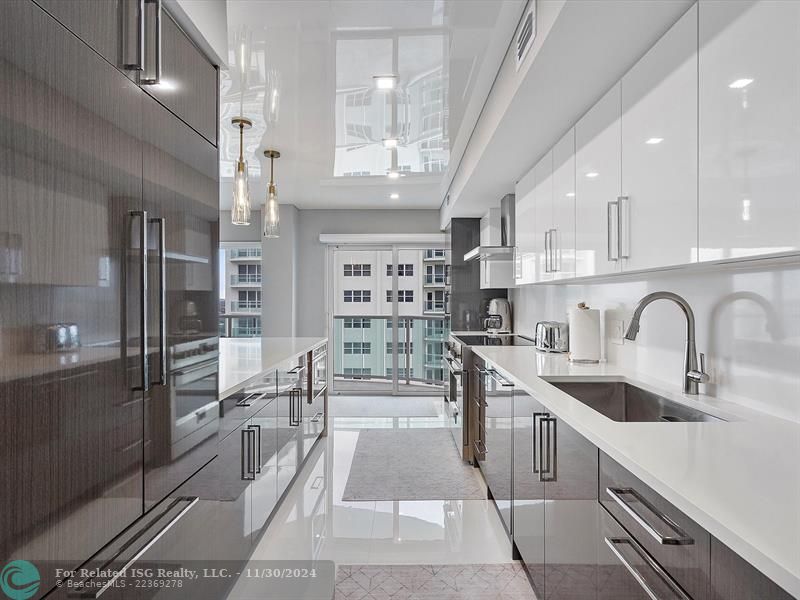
(505, 251)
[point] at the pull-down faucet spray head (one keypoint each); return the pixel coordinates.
(633, 329)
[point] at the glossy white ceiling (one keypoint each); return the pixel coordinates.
(303, 72)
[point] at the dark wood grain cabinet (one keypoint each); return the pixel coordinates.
(115, 29)
(733, 578)
(555, 502)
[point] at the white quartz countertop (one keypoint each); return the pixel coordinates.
(244, 360)
(739, 479)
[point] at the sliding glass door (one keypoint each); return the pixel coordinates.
(388, 323)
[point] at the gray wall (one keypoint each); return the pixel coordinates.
(293, 293)
(239, 233)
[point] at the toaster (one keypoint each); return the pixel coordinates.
(552, 336)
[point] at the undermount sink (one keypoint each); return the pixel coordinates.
(624, 402)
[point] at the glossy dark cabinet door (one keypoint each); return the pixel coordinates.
(733, 578)
(189, 82)
(264, 488)
(528, 513)
(497, 434)
(108, 26)
(570, 513)
(70, 172)
(180, 188)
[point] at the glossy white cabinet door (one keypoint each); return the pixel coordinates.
(659, 152)
(749, 128)
(543, 209)
(597, 183)
(524, 226)
(564, 206)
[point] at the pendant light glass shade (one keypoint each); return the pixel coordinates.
(272, 215)
(240, 210)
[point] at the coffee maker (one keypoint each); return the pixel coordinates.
(498, 318)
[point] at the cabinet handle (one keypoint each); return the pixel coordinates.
(162, 301)
(317, 416)
(475, 445)
(547, 251)
(96, 590)
(555, 260)
(611, 209)
(295, 410)
(547, 462)
(144, 384)
(535, 468)
(498, 378)
(138, 62)
(157, 79)
(682, 539)
(623, 227)
(248, 470)
(615, 543)
(257, 454)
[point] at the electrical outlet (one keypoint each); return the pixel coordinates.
(617, 332)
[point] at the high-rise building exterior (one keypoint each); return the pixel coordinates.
(362, 340)
(242, 304)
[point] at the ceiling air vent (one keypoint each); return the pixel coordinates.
(526, 33)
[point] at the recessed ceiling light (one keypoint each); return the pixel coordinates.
(390, 142)
(385, 82)
(653, 141)
(393, 174)
(570, 194)
(740, 83)
(394, 196)
(592, 174)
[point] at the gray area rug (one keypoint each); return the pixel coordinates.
(432, 582)
(410, 464)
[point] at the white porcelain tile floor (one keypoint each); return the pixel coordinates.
(314, 523)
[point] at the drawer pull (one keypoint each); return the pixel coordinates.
(317, 417)
(617, 494)
(615, 543)
(181, 504)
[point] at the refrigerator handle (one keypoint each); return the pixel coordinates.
(162, 302)
(144, 384)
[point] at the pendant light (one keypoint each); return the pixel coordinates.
(272, 217)
(240, 212)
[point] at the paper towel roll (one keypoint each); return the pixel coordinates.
(584, 335)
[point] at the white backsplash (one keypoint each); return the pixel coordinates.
(748, 325)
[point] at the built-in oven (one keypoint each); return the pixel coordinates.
(193, 387)
(454, 405)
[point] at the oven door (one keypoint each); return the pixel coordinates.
(454, 407)
(195, 409)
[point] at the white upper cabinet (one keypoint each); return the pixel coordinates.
(658, 204)
(562, 240)
(543, 211)
(749, 128)
(525, 225)
(597, 186)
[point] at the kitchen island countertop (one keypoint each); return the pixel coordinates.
(243, 360)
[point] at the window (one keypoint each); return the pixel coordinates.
(401, 323)
(402, 295)
(401, 372)
(434, 274)
(248, 300)
(357, 270)
(401, 347)
(403, 270)
(356, 323)
(434, 301)
(358, 348)
(358, 370)
(434, 253)
(357, 296)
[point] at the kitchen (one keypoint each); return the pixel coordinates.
(571, 226)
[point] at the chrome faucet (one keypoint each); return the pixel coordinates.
(692, 375)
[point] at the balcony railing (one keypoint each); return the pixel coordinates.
(434, 280)
(246, 306)
(434, 254)
(245, 253)
(434, 307)
(245, 331)
(246, 279)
